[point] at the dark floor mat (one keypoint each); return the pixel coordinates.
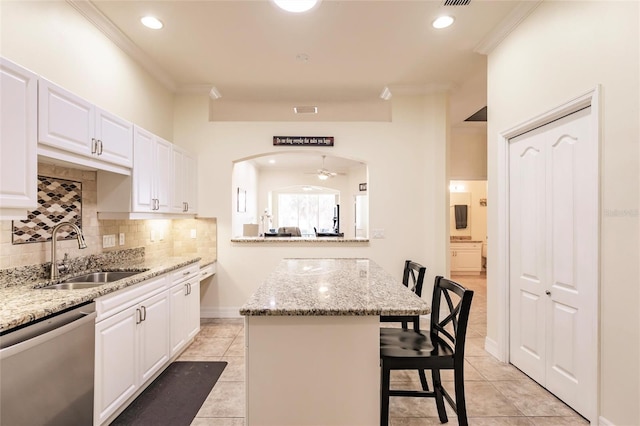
(175, 397)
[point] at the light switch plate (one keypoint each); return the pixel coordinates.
(108, 241)
(121, 242)
(193, 233)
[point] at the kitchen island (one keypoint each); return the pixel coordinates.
(312, 341)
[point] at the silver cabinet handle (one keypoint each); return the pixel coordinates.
(186, 273)
(144, 313)
(94, 145)
(138, 316)
(548, 293)
(100, 146)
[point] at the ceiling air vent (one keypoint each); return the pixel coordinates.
(457, 2)
(305, 110)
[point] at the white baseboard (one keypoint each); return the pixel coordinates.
(223, 312)
(604, 422)
(491, 346)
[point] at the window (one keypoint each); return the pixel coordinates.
(306, 211)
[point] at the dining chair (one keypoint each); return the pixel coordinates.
(412, 278)
(442, 348)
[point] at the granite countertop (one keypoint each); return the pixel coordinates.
(315, 287)
(322, 240)
(27, 301)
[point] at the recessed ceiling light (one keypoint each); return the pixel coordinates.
(151, 22)
(296, 6)
(272, 161)
(443, 22)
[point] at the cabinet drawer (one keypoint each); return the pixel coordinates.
(185, 273)
(115, 302)
(207, 271)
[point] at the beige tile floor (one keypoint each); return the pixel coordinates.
(497, 394)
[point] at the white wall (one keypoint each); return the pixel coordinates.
(468, 152)
(407, 188)
(245, 178)
(53, 40)
(563, 50)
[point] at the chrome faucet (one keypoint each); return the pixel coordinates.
(82, 244)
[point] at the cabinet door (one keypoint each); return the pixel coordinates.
(116, 375)
(193, 308)
(163, 174)
(116, 138)
(469, 259)
(143, 171)
(18, 139)
(179, 171)
(178, 302)
(154, 335)
(65, 120)
(191, 182)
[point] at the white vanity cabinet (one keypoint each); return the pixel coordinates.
(466, 258)
(74, 130)
(132, 343)
(185, 172)
(185, 306)
(18, 141)
(152, 172)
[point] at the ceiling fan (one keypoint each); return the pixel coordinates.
(323, 173)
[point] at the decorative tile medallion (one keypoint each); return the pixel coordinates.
(59, 201)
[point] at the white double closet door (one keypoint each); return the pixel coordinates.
(553, 255)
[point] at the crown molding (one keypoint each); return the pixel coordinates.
(421, 89)
(113, 33)
(506, 26)
(194, 88)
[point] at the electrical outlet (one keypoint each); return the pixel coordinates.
(121, 242)
(152, 237)
(193, 234)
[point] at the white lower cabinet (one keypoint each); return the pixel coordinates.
(117, 354)
(466, 258)
(185, 307)
(139, 330)
(131, 346)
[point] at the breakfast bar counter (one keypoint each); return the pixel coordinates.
(312, 341)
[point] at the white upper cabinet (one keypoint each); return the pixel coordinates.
(184, 184)
(18, 141)
(156, 187)
(151, 172)
(72, 129)
(115, 138)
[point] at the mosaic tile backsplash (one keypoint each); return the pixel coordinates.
(59, 200)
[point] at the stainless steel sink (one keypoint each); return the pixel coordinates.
(101, 277)
(94, 279)
(72, 286)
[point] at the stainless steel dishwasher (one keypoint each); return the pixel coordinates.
(46, 370)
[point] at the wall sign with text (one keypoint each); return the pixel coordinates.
(303, 140)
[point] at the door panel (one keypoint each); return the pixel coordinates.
(553, 190)
(527, 257)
